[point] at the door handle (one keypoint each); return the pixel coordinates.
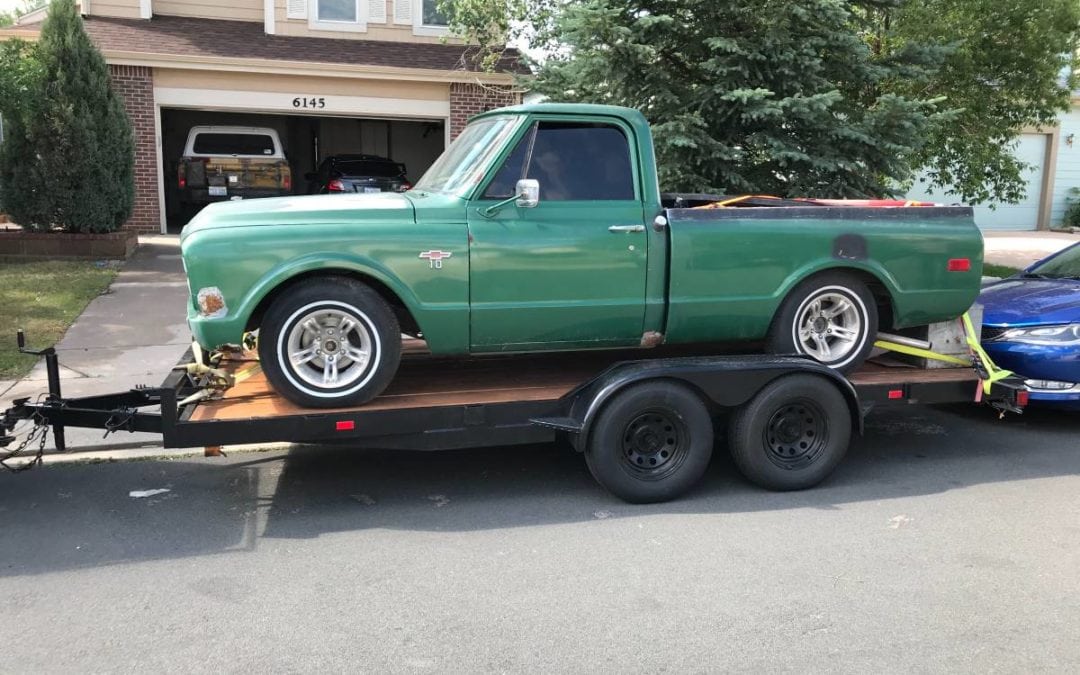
(626, 228)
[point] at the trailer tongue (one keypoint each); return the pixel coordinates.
(646, 427)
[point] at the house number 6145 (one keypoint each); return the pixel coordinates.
(306, 102)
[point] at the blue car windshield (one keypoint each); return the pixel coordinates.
(1065, 265)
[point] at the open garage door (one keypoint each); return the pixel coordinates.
(307, 141)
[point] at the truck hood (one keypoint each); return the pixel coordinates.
(383, 207)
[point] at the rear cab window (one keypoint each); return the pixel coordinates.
(224, 142)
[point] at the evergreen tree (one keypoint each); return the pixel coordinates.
(773, 96)
(74, 162)
(18, 86)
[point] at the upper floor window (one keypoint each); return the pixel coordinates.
(338, 15)
(337, 10)
(430, 14)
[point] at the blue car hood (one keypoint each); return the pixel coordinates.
(1031, 302)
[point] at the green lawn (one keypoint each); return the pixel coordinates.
(43, 298)
(1000, 271)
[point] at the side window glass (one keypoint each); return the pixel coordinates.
(577, 161)
(513, 169)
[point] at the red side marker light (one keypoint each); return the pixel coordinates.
(896, 393)
(960, 264)
(345, 425)
(1022, 398)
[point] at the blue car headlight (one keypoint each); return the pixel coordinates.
(1057, 336)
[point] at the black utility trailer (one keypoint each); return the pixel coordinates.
(647, 427)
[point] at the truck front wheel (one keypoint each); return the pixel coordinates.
(329, 342)
(830, 317)
(651, 442)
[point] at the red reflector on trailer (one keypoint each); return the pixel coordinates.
(345, 425)
(1022, 398)
(959, 264)
(896, 393)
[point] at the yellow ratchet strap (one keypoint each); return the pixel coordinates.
(992, 372)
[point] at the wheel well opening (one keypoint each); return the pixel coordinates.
(881, 294)
(404, 316)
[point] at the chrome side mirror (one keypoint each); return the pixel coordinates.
(528, 193)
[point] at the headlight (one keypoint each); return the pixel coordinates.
(1069, 334)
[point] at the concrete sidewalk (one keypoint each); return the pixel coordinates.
(1020, 249)
(133, 334)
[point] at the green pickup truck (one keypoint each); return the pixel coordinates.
(542, 227)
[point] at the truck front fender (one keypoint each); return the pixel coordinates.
(348, 264)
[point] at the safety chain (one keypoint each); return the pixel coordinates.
(41, 432)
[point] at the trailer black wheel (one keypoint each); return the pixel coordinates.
(651, 442)
(831, 317)
(329, 342)
(792, 434)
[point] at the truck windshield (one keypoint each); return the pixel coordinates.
(464, 163)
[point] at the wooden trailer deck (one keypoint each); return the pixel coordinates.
(426, 381)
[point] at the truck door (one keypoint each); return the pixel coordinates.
(570, 271)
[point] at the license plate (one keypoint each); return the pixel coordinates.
(372, 189)
(218, 191)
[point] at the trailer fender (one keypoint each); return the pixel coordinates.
(723, 382)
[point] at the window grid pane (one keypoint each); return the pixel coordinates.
(337, 10)
(431, 14)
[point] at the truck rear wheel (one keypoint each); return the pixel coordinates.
(329, 342)
(792, 434)
(652, 442)
(830, 317)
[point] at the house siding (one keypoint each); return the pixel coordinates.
(234, 10)
(1067, 166)
(127, 9)
(135, 85)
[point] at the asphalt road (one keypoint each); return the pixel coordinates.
(946, 541)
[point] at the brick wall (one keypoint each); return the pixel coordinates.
(135, 85)
(467, 100)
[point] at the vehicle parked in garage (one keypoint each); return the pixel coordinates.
(228, 163)
(542, 228)
(1031, 325)
(357, 173)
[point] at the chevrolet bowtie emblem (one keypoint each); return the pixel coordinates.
(436, 258)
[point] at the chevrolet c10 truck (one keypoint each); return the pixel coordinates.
(542, 227)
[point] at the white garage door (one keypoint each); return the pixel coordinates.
(1030, 149)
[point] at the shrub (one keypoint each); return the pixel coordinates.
(1072, 208)
(68, 160)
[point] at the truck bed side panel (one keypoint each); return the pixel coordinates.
(731, 268)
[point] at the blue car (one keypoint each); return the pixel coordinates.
(1031, 326)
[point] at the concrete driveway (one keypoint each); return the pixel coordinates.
(947, 541)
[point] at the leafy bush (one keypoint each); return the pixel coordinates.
(1072, 209)
(68, 157)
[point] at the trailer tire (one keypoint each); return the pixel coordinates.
(651, 442)
(803, 325)
(308, 360)
(792, 434)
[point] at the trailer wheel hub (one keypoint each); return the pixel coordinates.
(653, 442)
(796, 434)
